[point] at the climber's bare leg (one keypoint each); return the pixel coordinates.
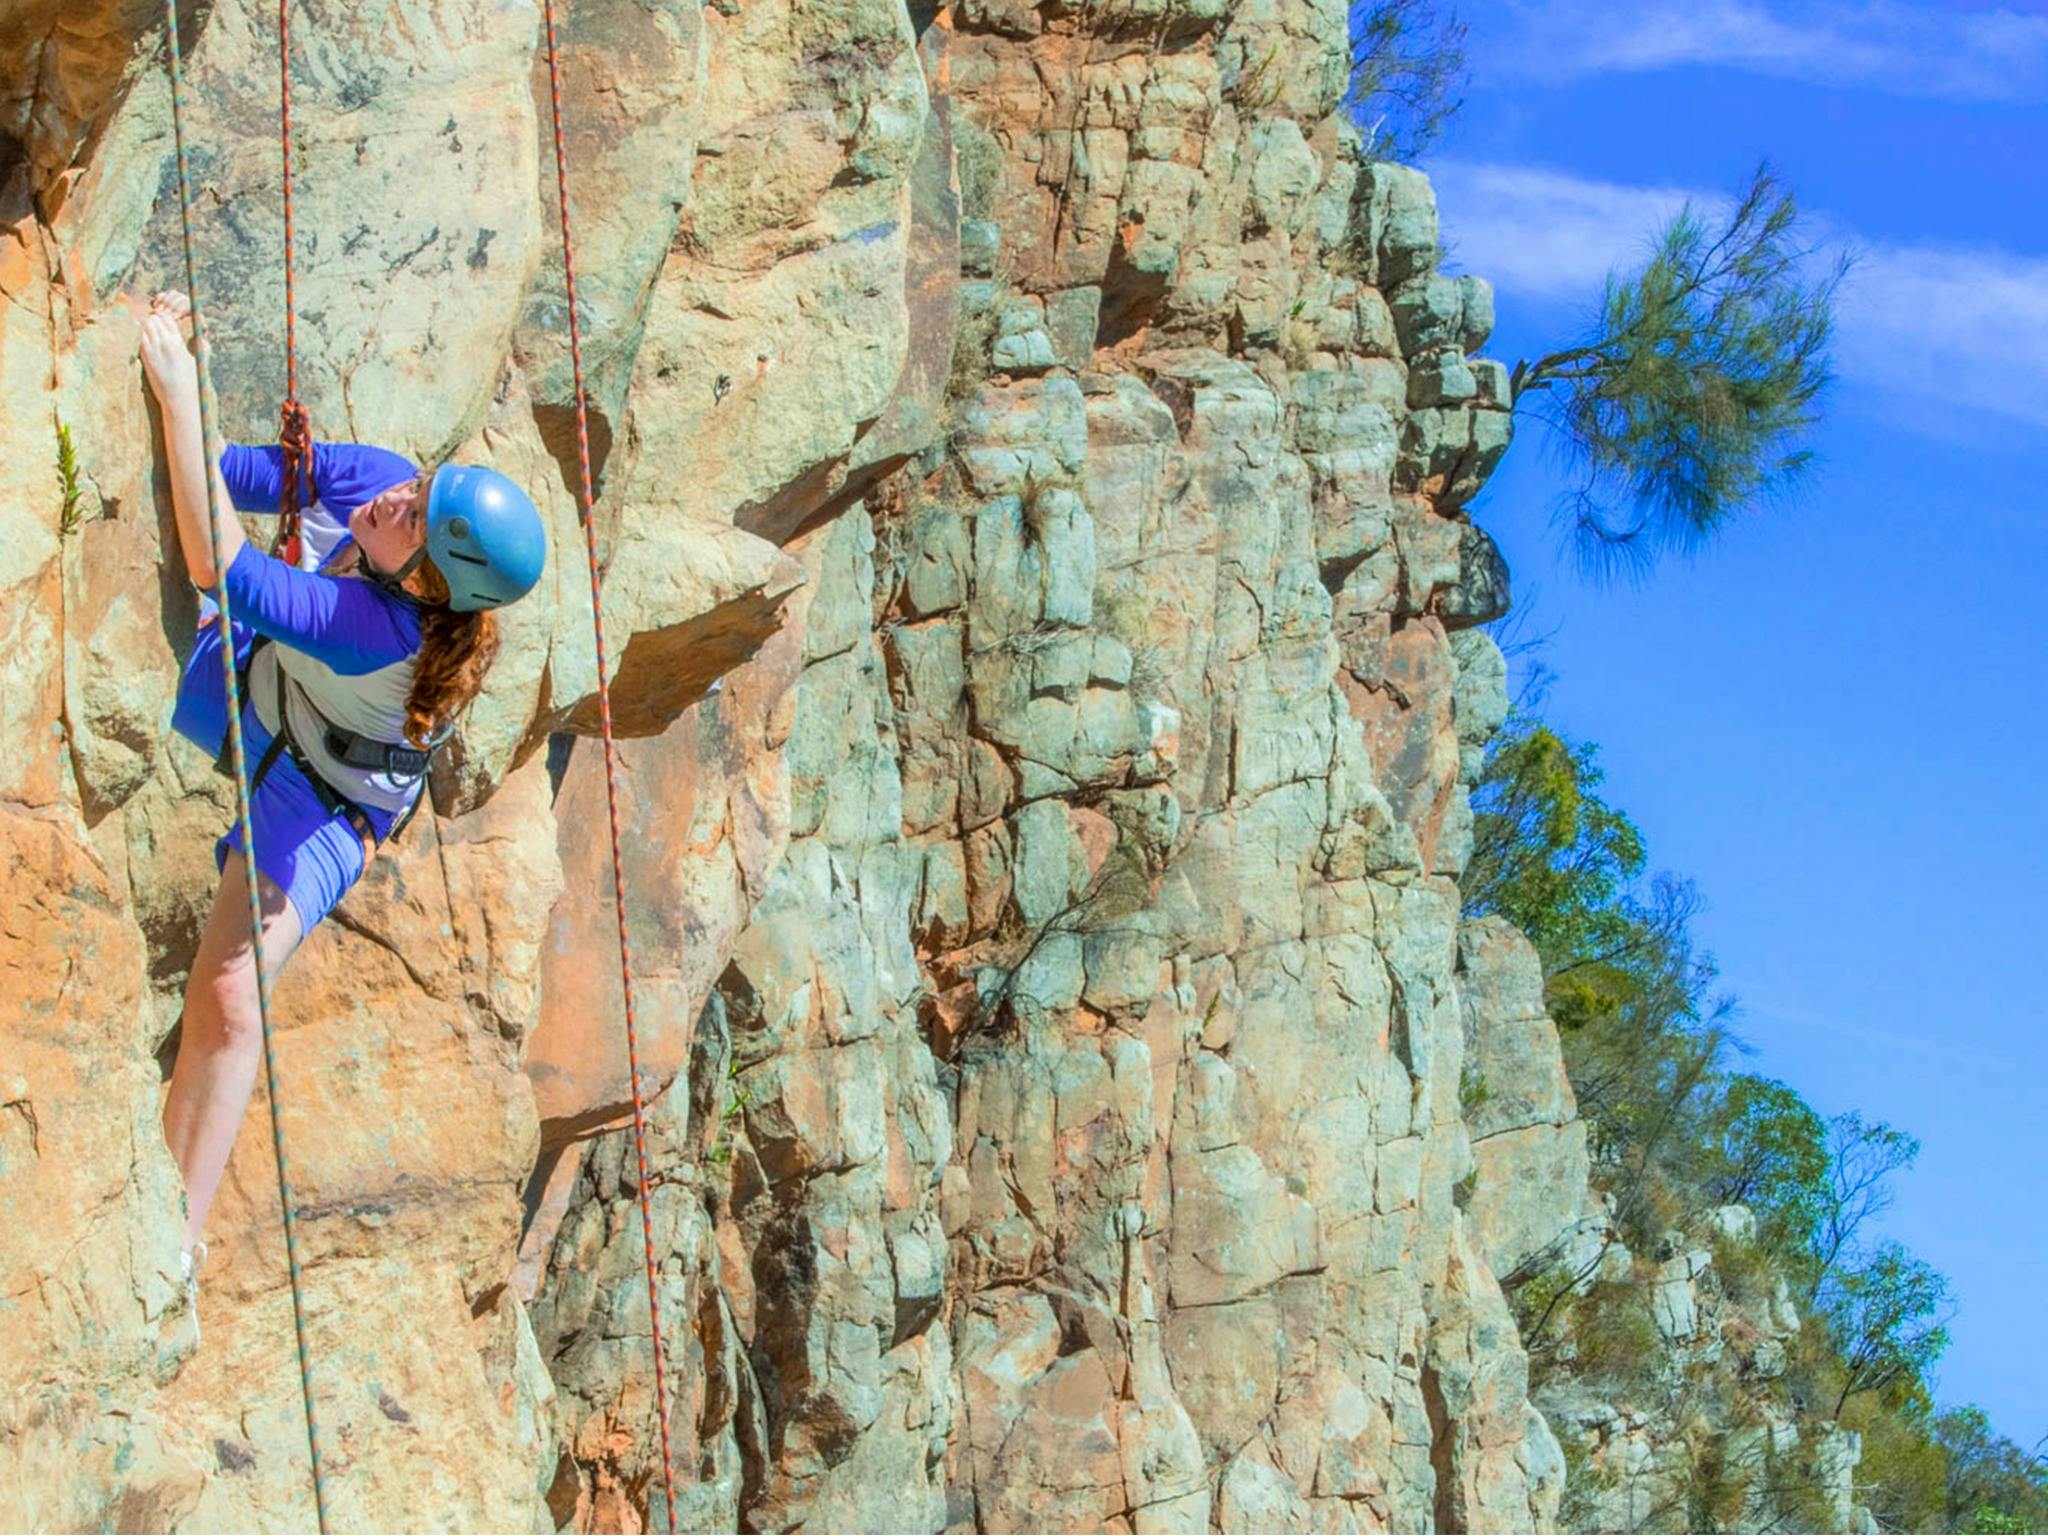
(222, 1044)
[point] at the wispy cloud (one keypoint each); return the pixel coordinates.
(1945, 331)
(1962, 330)
(1548, 234)
(1954, 51)
(1941, 1051)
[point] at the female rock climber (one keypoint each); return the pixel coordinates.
(367, 655)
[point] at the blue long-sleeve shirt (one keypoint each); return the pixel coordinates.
(348, 625)
(345, 475)
(344, 623)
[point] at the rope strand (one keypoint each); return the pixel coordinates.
(295, 423)
(611, 785)
(225, 624)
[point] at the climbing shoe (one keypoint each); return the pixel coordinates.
(189, 1259)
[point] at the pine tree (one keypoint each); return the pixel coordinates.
(1689, 396)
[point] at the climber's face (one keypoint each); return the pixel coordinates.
(391, 528)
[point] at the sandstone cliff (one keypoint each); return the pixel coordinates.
(1058, 442)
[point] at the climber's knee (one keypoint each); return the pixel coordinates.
(221, 1012)
(221, 1007)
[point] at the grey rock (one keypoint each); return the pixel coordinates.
(1023, 352)
(1490, 379)
(980, 240)
(1404, 212)
(1734, 1222)
(1673, 1302)
(1481, 592)
(1475, 312)
(1071, 318)
(1441, 380)
(1428, 315)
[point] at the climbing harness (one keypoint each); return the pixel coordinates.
(350, 747)
(225, 620)
(392, 758)
(611, 782)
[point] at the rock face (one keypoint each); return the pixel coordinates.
(1702, 1421)
(1529, 1195)
(1054, 442)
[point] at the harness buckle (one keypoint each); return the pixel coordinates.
(378, 756)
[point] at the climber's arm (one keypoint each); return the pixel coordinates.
(254, 477)
(174, 380)
(350, 625)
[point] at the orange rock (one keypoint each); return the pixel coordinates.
(17, 268)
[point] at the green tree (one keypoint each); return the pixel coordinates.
(1991, 1483)
(1773, 1157)
(1889, 1316)
(1548, 853)
(1862, 1158)
(1689, 395)
(1408, 74)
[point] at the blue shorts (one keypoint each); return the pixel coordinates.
(312, 854)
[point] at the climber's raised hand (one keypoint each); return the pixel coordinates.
(166, 359)
(174, 379)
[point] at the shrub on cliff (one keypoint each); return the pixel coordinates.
(1632, 994)
(1988, 1482)
(1407, 74)
(1889, 1315)
(1548, 853)
(1676, 1132)
(1904, 1470)
(1688, 397)
(1773, 1157)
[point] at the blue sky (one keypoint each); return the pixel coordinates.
(1833, 719)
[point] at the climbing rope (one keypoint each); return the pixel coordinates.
(224, 620)
(295, 423)
(611, 783)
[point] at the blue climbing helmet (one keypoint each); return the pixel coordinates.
(485, 535)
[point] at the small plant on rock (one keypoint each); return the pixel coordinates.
(1258, 83)
(1472, 1091)
(730, 1122)
(68, 515)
